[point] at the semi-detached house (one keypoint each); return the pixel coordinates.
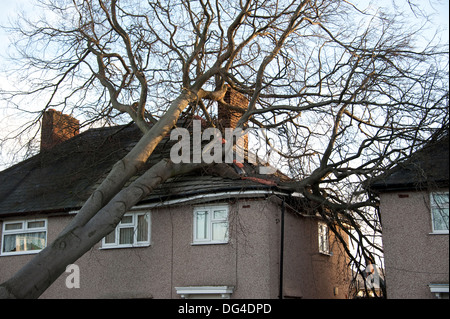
(224, 231)
(414, 209)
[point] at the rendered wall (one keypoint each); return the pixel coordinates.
(414, 257)
(249, 262)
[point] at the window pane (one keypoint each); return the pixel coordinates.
(34, 241)
(37, 224)
(440, 200)
(220, 214)
(142, 231)
(126, 236)
(440, 210)
(127, 220)
(13, 226)
(111, 237)
(219, 231)
(9, 243)
(24, 242)
(440, 219)
(323, 238)
(201, 225)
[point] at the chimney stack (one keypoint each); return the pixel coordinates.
(228, 118)
(57, 128)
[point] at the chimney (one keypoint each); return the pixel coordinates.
(228, 118)
(57, 128)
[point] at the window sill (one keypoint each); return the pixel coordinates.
(209, 243)
(326, 254)
(439, 233)
(194, 292)
(124, 247)
(34, 252)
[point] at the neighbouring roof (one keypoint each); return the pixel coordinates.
(428, 167)
(62, 178)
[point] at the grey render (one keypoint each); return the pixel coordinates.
(416, 259)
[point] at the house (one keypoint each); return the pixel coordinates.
(414, 207)
(220, 232)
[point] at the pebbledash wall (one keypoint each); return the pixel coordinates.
(415, 257)
(249, 262)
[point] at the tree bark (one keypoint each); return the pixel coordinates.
(123, 170)
(36, 276)
(103, 210)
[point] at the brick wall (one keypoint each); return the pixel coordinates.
(228, 118)
(56, 128)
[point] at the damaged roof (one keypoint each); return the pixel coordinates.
(62, 178)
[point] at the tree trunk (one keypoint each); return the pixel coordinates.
(36, 276)
(103, 210)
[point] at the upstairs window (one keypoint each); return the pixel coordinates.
(211, 225)
(24, 237)
(132, 231)
(324, 241)
(439, 212)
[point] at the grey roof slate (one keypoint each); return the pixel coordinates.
(428, 167)
(62, 178)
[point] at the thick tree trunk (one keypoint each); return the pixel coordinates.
(103, 210)
(36, 276)
(123, 170)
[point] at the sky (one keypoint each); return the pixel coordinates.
(10, 8)
(8, 120)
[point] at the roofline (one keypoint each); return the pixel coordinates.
(417, 186)
(209, 197)
(53, 212)
(192, 198)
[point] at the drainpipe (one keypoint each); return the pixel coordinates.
(280, 295)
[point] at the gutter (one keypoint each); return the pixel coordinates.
(232, 192)
(209, 196)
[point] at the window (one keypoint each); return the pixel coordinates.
(324, 245)
(439, 212)
(132, 231)
(24, 236)
(211, 225)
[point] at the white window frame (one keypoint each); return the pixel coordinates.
(433, 207)
(24, 229)
(323, 236)
(210, 222)
(133, 224)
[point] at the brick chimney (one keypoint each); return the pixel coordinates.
(228, 118)
(57, 128)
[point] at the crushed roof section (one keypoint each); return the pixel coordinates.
(61, 179)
